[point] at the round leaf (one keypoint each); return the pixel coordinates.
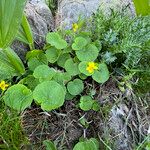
(43, 72)
(101, 75)
(52, 54)
(89, 53)
(18, 97)
(79, 43)
(50, 95)
(71, 67)
(75, 87)
(54, 39)
(86, 103)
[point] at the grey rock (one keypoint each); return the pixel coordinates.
(41, 22)
(70, 10)
(40, 18)
(120, 132)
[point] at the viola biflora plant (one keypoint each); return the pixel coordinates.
(58, 72)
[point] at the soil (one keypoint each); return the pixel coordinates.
(64, 128)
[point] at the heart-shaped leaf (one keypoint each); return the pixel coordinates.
(86, 103)
(75, 87)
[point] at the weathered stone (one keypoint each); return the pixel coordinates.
(119, 129)
(70, 10)
(40, 19)
(41, 22)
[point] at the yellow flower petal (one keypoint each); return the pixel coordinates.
(91, 67)
(75, 27)
(3, 85)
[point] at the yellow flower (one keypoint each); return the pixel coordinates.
(75, 27)
(3, 85)
(91, 67)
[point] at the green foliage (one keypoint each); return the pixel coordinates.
(75, 87)
(142, 7)
(89, 53)
(36, 58)
(49, 145)
(14, 60)
(11, 15)
(43, 73)
(18, 97)
(91, 144)
(49, 94)
(71, 67)
(7, 68)
(62, 59)
(25, 33)
(79, 43)
(101, 75)
(125, 44)
(52, 54)
(11, 132)
(87, 103)
(54, 39)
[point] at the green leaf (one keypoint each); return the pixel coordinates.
(62, 77)
(89, 53)
(49, 145)
(50, 95)
(30, 81)
(18, 97)
(80, 146)
(53, 54)
(34, 62)
(82, 68)
(25, 33)
(91, 144)
(86, 103)
(142, 7)
(33, 53)
(10, 17)
(55, 39)
(71, 67)
(15, 60)
(96, 106)
(69, 96)
(43, 73)
(101, 75)
(79, 43)
(10, 64)
(62, 59)
(75, 87)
